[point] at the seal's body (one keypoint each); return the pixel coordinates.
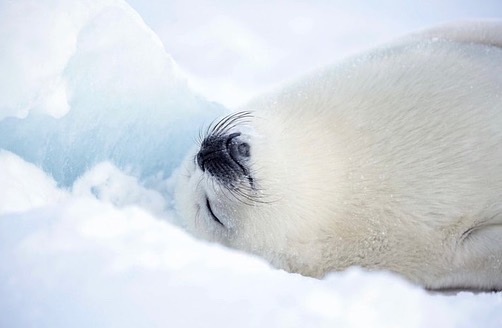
(389, 161)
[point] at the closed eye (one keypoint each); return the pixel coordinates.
(210, 210)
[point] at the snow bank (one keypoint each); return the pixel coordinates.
(84, 263)
(94, 119)
(24, 186)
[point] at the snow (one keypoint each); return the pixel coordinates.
(251, 46)
(95, 117)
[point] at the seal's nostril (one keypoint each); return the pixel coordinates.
(243, 149)
(238, 150)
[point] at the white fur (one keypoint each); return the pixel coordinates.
(391, 161)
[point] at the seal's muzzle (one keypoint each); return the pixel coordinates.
(224, 156)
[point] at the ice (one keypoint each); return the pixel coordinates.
(94, 119)
(92, 83)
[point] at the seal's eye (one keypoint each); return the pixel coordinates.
(210, 210)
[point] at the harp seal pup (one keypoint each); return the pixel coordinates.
(391, 160)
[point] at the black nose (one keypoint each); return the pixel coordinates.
(224, 156)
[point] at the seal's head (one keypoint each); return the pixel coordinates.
(260, 185)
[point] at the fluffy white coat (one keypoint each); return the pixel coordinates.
(391, 160)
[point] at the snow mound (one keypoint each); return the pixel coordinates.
(84, 263)
(24, 186)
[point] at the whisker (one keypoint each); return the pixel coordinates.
(227, 123)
